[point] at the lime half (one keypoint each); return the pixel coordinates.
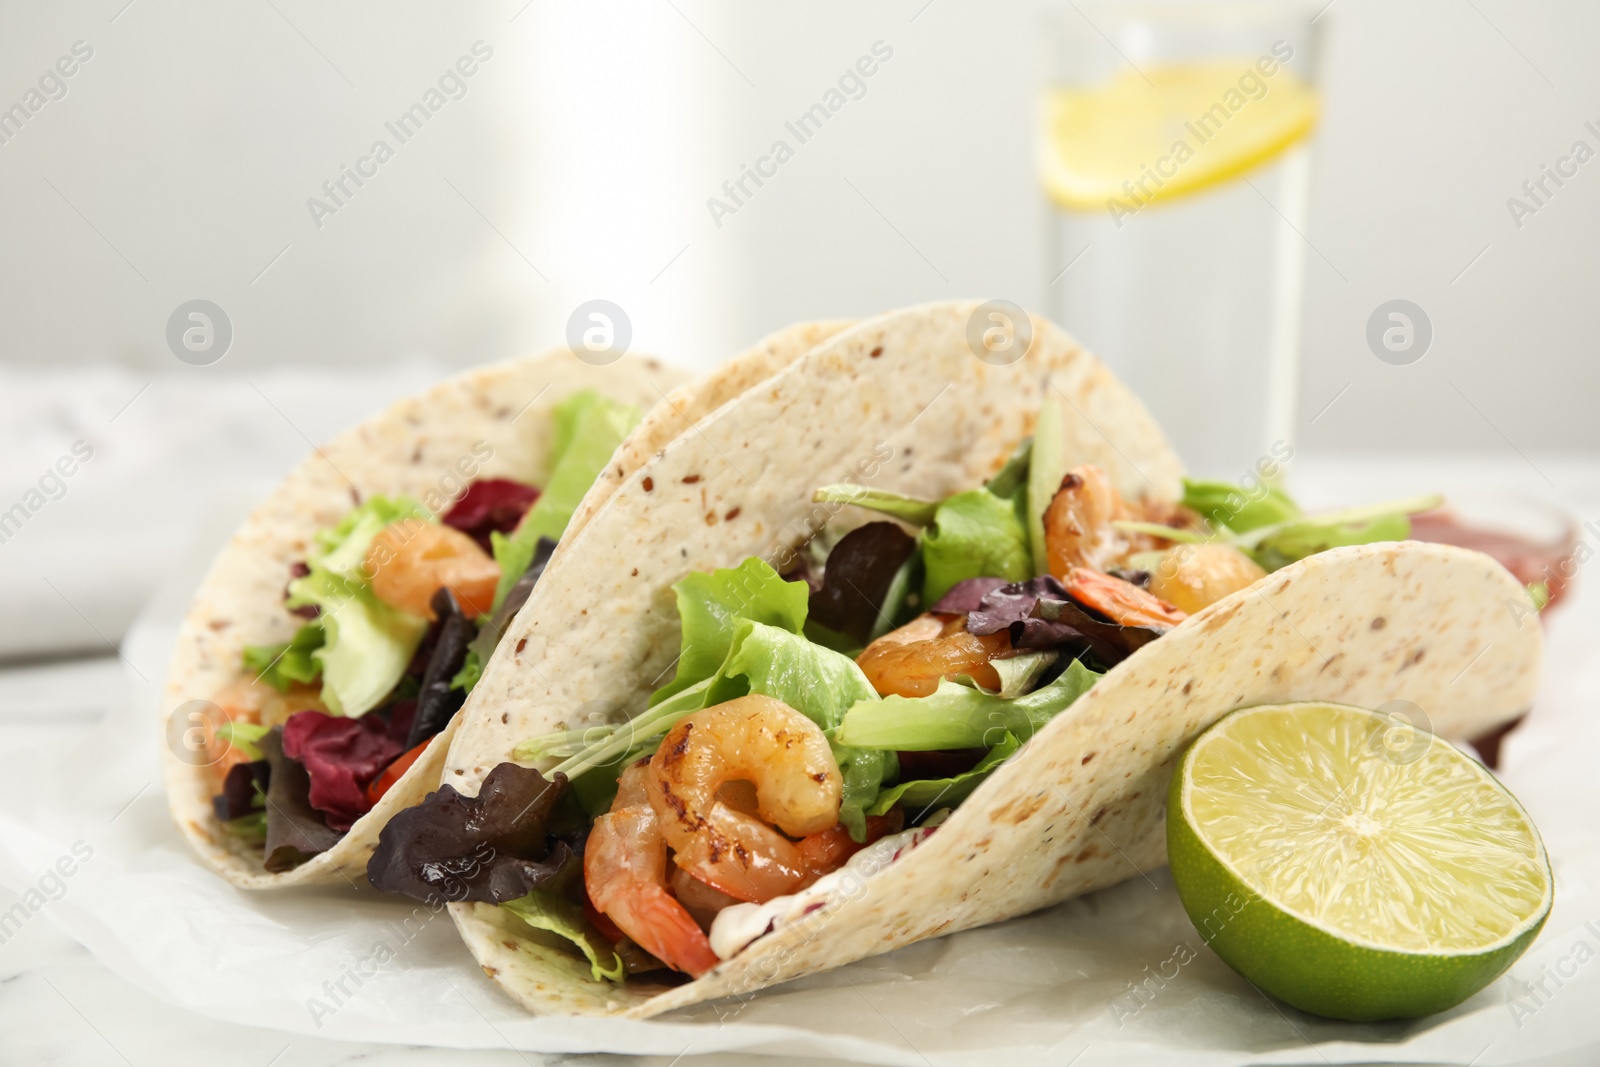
(1347, 875)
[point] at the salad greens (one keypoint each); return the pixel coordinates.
(280, 666)
(1227, 507)
(921, 795)
(588, 429)
(1275, 545)
(975, 534)
(959, 716)
(357, 644)
(545, 910)
(367, 645)
(711, 605)
(979, 533)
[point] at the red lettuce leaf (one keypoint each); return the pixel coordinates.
(857, 577)
(1041, 614)
(341, 756)
(295, 830)
(490, 505)
(521, 832)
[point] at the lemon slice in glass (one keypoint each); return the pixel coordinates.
(1187, 128)
(1349, 875)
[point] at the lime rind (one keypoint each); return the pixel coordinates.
(1297, 953)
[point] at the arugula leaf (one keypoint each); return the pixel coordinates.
(907, 509)
(959, 716)
(588, 429)
(974, 535)
(280, 666)
(1231, 507)
(711, 606)
(544, 910)
(924, 793)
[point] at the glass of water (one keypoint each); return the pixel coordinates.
(1175, 152)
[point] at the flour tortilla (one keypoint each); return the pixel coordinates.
(901, 403)
(412, 448)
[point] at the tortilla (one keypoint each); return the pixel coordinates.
(901, 403)
(413, 448)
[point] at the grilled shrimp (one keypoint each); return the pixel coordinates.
(910, 661)
(410, 560)
(1121, 601)
(798, 789)
(1191, 577)
(1077, 524)
(625, 872)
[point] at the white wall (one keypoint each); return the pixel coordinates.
(585, 150)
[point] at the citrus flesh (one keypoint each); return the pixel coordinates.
(1129, 130)
(1349, 872)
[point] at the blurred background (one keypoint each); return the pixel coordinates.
(154, 153)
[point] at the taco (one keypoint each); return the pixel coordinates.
(315, 678)
(903, 640)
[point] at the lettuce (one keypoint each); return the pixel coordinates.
(588, 429)
(975, 535)
(342, 550)
(922, 794)
(544, 910)
(959, 716)
(368, 643)
(864, 771)
(280, 666)
(711, 607)
(1230, 507)
(818, 682)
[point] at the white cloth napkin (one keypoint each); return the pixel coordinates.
(104, 473)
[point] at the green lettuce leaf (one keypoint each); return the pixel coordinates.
(864, 771)
(588, 429)
(975, 535)
(342, 549)
(711, 606)
(280, 666)
(959, 716)
(368, 643)
(1230, 507)
(1018, 674)
(546, 911)
(818, 682)
(924, 793)
(471, 670)
(243, 736)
